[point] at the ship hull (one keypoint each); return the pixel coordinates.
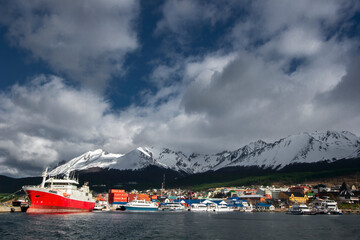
(43, 201)
(129, 208)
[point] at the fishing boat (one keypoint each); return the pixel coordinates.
(59, 196)
(141, 205)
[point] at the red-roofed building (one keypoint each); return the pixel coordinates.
(299, 189)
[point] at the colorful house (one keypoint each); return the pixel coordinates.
(293, 197)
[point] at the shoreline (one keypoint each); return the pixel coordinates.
(7, 209)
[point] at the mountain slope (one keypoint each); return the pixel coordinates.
(301, 148)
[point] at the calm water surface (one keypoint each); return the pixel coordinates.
(178, 225)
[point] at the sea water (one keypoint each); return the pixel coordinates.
(177, 225)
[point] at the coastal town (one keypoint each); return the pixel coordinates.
(249, 199)
(295, 199)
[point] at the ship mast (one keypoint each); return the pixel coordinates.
(44, 178)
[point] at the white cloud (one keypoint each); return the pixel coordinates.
(299, 42)
(45, 121)
(86, 40)
(220, 100)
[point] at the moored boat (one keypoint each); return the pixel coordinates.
(59, 196)
(246, 207)
(223, 207)
(172, 207)
(198, 207)
(326, 206)
(141, 205)
(301, 209)
(331, 207)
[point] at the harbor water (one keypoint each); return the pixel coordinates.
(177, 225)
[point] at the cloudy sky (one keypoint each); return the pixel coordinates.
(198, 76)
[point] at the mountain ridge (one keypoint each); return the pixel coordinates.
(300, 148)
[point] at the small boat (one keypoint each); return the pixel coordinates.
(247, 207)
(172, 207)
(106, 208)
(141, 205)
(100, 208)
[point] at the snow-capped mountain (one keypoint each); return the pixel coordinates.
(300, 148)
(98, 158)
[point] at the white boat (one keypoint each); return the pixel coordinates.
(101, 206)
(223, 207)
(326, 206)
(172, 207)
(247, 207)
(212, 207)
(106, 208)
(301, 209)
(141, 205)
(98, 208)
(331, 207)
(198, 207)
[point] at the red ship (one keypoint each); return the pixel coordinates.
(59, 196)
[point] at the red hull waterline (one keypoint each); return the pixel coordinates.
(44, 202)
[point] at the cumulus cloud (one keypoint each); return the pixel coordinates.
(45, 121)
(85, 40)
(284, 55)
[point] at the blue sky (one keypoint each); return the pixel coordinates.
(197, 76)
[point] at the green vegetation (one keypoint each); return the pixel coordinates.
(6, 197)
(348, 206)
(283, 178)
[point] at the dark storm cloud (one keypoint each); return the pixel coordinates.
(85, 40)
(344, 100)
(346, 92)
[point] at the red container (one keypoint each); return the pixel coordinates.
(119, 194)
(117, 190)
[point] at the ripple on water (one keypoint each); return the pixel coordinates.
(184, 225)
